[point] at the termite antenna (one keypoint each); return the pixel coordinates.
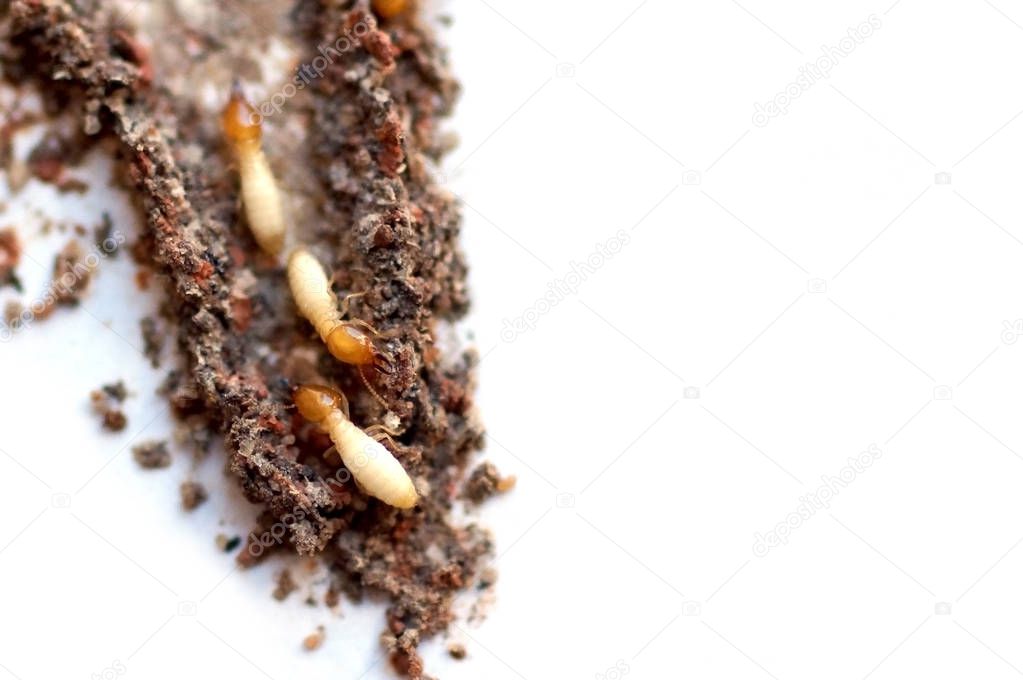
(381, 431)
(372, 391)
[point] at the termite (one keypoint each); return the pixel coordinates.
(262, 201)
(316, 302)
(376, 471)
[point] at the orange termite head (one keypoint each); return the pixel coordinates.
(388, 9)
(316, 402)
(240, 119)
(350, 345)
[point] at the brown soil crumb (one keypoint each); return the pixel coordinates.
(115, 421)
(105, 238)
(151, 455)
(106, 402)
(457, 650)
(116, 391)
(485, 595)
(50, 157)
(71, 276)
(193, 494)
(12, 313)
(152, 340)
(10, 256)
(332, 598)
(285, 585)
(484, 482)
(314, 640)
(378, 220)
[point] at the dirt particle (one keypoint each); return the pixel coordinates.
(193, 494)
(12, 313)
(115, 421)
(152, 454)
(116, 391)
(228, 543)
(10, 256)
(71, 277)
(105, 239)
(106, 401)
(484, 482)
(152, 340)
(285, 585)
(314, 640)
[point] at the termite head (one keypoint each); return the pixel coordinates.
(240, 119)
(388, 9)
(316, 402)
(349, 344)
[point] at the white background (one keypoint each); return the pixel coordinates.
(790, 295)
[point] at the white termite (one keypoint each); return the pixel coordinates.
(260, 196)
(345, 340)
(375, 469)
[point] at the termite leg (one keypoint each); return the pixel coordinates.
(383, 362)
(345, 303)
(347, 299)
(380, 433)
(380, 427)
(344, 406)
(365, 324)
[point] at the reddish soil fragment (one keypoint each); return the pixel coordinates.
(10, 256)
(106, 402)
